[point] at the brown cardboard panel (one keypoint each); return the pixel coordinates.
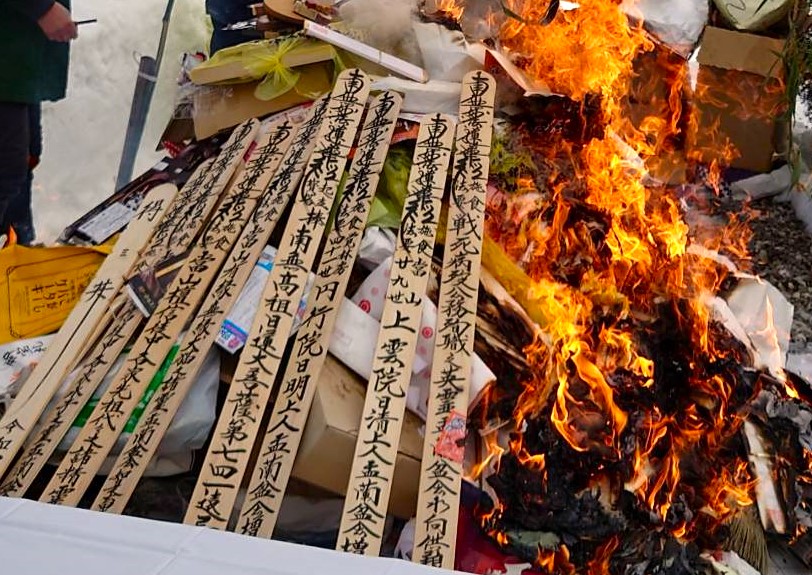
(325, 455)
(739, 98)
(739, 107)
(740, 51)
(217, 108)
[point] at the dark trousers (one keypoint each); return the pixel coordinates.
(223, 13)
(20, 148)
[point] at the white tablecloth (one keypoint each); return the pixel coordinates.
(40, 539)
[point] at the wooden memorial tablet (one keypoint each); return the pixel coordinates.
(441, 468)
(66, 347)
(288, 148)
(47, 436)
(237, 428)
(179, 217)
(284, 433)
(373, 465)
(99, 434)
(171, 238)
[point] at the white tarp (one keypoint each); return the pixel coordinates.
(41, 539)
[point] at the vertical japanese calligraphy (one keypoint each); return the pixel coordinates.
(281, 441)
(67, 346)
(89, 376)
(101, 431)
(177, 217)
(184, 213)
(237, 428)
(141, 446)
(367, 499)
(441, 468)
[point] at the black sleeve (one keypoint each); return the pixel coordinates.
(34, 9)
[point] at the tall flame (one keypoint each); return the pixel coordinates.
(592, 278)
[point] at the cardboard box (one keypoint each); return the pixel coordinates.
(328, 444)
(220, 107)
(739, 97)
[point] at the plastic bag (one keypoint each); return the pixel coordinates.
(392, 189)
(189, 428)
(677, 23)
(40, 286)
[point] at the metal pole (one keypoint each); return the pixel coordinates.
(148, 70)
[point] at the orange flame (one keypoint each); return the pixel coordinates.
(588, 279)
(599, 564)
(556, 562)
(494, 452)
(450, 8)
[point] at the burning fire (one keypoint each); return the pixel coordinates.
(449, 8)
(608, 268)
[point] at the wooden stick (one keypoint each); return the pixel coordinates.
(47, 436)
(172, 237)
(91, 376)
(180, 216)
(69, 357)
(238, 425)
(99, 435)
(281, 442)
(68, 343)
(376, 449)
(441, 468)
(156, 419)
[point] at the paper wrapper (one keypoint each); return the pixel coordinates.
(753, 15)
(445, 52)
(356, 332)
(17, 360)
(766, 316)
(676, 23)
(769, 506)
(423, 98)
(376, 245)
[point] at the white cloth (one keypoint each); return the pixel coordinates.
(41, 539)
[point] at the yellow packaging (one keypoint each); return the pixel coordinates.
(40, 286)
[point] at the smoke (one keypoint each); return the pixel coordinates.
(384, 24)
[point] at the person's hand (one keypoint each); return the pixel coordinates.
(57, 24)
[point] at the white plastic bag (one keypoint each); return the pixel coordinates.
(187, 433)
(676, 23)
(17, 360)
(445, 52)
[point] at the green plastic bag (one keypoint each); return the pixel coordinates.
(392, 188)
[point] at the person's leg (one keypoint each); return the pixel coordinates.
(223, 13)
(14, 148)
(19, 214)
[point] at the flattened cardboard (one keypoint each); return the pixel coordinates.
(217, 108)
(736, 71)
(331, 433)
(739, 51)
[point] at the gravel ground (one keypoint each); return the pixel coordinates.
(782, 254)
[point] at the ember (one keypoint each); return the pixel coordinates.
(627, 444)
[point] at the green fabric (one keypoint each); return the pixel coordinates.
(32, 68)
